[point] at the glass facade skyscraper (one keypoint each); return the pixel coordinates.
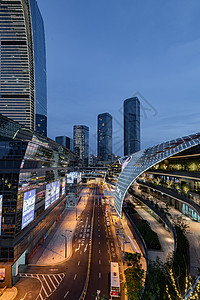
(131, 125)
(104, 142)
(81, 142)
(33, 175)
(23, 92)
(65, 141)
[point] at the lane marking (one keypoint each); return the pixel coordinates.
(86, 247)
(56, 279)
(52, 282)
(99, 251)
(99, 275)
(77, 248)
(75, 276)
(66, 294)
(99, 261)
(78, 262)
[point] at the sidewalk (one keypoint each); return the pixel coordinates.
(53, 250)
(9, 294)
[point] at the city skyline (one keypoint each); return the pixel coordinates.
(138, 48)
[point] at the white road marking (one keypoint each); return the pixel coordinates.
(86, 247)
(99, 243)
(52, 282)
(80, 252)
(79, 262)
(99, 261)
(56, 279)
(99, 251)
(77, 248)
(66, 294)
(75, 276)
(99, 235)
(99, 275)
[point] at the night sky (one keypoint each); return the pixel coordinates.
(100, 52)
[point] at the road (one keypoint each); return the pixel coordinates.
(69, 279)
(103, 252)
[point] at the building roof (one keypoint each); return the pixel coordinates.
(141, 161)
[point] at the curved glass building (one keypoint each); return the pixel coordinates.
(33, 172)
(171, 169)
(23, 64)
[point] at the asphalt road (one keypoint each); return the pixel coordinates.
(68, 280)
(103, 252)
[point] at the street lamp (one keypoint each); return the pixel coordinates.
(65, 236)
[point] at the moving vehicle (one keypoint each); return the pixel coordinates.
(114, 280)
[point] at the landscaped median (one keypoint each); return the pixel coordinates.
(150, 237)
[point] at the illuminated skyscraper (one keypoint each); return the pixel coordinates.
(131, 125)
(23, 91)
(104, 142)
(81, 142)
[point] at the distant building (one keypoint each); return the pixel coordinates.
(81, 143)
(65, 141)
(131, 125)
(104, 134)
(92, 160)
(23, 89)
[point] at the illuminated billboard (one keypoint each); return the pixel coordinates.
(1, 199)
(73, 177)
(52, 193)
(63, 186)
(70, 177)
(28, 208)
(78, 177)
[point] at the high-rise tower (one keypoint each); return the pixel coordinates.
(104, 142)
(81, 142)
(23, 95)
(131, 125)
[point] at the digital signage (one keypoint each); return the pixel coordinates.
(52, 193)
(1, 199)
(63, 186)
(70, 177)
(78, 177)
(28, 208)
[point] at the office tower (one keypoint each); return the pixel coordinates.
(65, 141)
(131, 125)
(81, 142)
(23, 64)
(104, 142)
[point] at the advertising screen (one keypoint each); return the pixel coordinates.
(52, 193)
(28, 208)
(1, 199)
(70, 177)
(2, 274)
(63, 186)
(79, 177)
(57, 190)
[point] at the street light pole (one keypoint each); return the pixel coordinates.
(65, 236)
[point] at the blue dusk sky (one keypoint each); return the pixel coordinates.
(101, 52)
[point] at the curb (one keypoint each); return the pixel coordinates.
(16, 292)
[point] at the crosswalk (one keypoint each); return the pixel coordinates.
(49, 283)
